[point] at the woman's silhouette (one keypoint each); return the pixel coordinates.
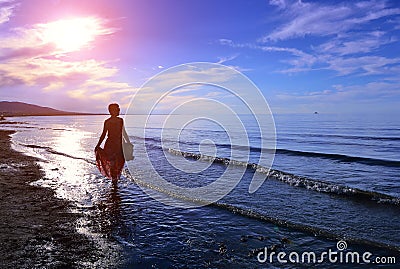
(110, 160)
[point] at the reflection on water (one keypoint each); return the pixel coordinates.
(70, 178)
(99, 224)
(123, 220)
(110, 209)
(76, 180)
(69, 142)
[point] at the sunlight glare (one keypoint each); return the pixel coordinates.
(72, 34)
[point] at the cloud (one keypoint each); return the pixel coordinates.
(356, 43)
(279, 3)
(60, 37)
(5, 12)
(54, 86)
(347, 41)
(349, 37)
(42, 71)
(397, 23)
(191, 74)
(31, 56)
(365, 65)
(356, 65)
(314, 18)
(302, 59)
(27, 54)
(344, 57)
(222, 60)
(191, 82)
(104, 95)
(224, 41)
(103, 90)
(352, 93)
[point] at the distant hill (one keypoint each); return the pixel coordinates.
(24, 109)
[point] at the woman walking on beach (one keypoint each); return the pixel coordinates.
(110, 160)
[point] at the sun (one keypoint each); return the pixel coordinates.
(72, 34)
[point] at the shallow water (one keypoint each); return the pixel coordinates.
(351, 152)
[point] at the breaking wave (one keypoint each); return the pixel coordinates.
(331, 156)
(297, 181)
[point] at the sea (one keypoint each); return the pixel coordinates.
(333, 190)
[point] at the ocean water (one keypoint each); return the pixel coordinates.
(334, 177)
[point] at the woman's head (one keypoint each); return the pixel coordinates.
(113, 109)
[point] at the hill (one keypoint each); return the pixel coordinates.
(24, 109)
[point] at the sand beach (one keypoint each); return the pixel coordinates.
(37, 229)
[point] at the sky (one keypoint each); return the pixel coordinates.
(304, 56)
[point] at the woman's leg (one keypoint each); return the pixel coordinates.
(114, 172)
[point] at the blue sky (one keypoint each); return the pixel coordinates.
(305, 56)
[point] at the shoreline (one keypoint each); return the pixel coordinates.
(11, 115)
(37, 229)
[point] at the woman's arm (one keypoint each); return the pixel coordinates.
(103, 135)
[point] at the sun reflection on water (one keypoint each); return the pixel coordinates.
(68, 173)
(65, 153)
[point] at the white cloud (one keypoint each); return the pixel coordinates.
(56, 85)
(314, 18)
(29, 58)
(302, 61)
(222, 60)
(353, 44)
(309, 18)
(191, 74)
(45, 71)
(224, 41)
(279, 3)
(395, 22)
(5, 13)
(365, 65)
(346, 55)
(55, 38)
(371, 91)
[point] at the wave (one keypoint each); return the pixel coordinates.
(12, 122)
(285, 177)
(315, 231)
(352, 137)
(302, 135)
(341, 157)
(51, 150)
(22, 126)
(331, 156)
(291, 179)
(158, 140)
(297, 181)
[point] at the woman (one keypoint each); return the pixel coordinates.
(110, 160)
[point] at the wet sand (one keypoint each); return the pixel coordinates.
(37, 230)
